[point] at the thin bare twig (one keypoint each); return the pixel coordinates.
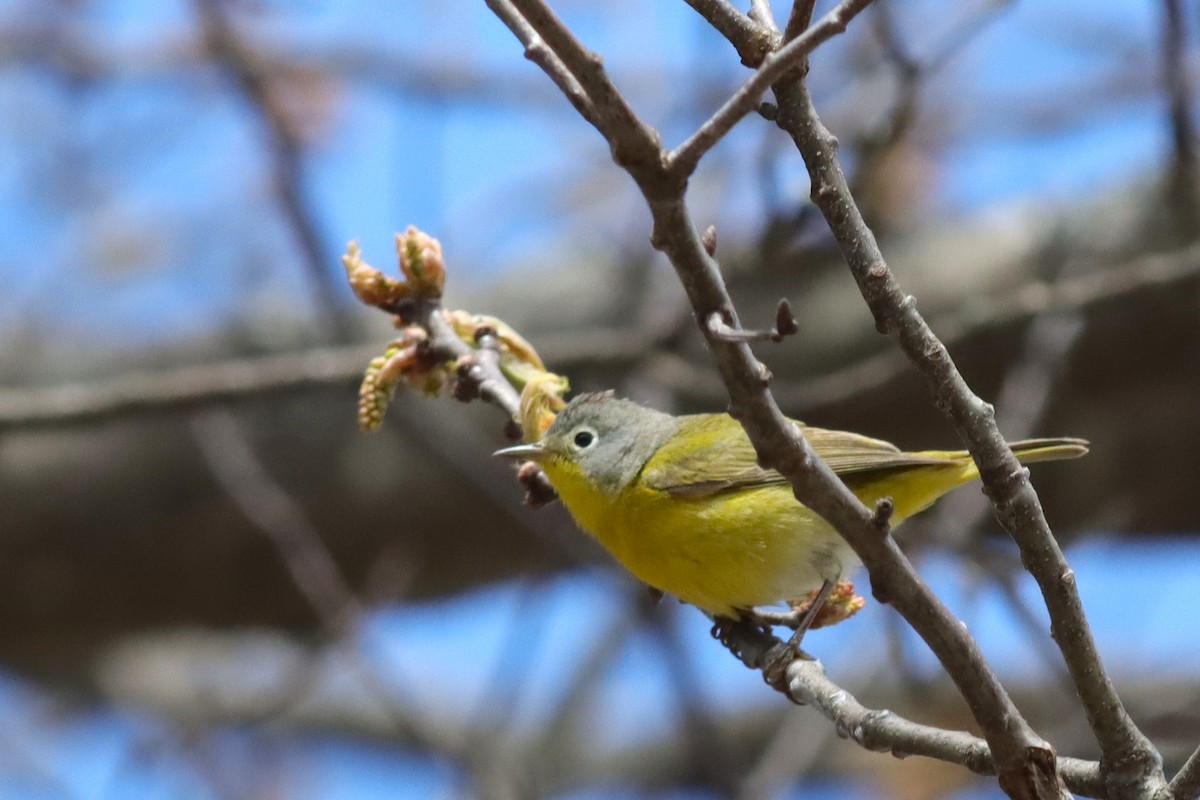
(537, 52)
(265, 503)
(880, 730)
(1021, 401)
(682, 160)
(286, 155)
(798, 19)
(634, 144)
(785, 325)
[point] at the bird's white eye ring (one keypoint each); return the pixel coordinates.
(584, 438)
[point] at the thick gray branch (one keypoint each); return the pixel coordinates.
(883, 731)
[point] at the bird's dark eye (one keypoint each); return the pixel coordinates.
(584, 439)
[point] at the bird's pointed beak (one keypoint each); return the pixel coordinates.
(523, 452)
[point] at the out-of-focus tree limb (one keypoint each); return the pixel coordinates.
(180, 388)
(234, 379)
(203, 679)
(1178, 83)
(312, 568)
(287, 158)
(193, 386)
(219, 437)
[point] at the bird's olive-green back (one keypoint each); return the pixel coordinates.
(711, 453)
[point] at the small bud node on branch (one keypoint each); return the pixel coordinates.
(485, 337)
(464, 364)
(764, 374)
(879, 591)
(709, 240)
(477, 357)
(823, 194)
(785, 321)
(538, 491)
(785, 325)
(884, 508)
(465, 390)
(420, 257)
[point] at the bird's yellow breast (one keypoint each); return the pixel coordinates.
(732, 550)
(721, 552)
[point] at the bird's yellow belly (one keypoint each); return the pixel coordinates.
(727, 551)
(732, 550)
(720, 553)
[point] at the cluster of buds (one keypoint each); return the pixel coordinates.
(421, 263)
(541, 400)
(407, 360)
(841, 604)
(429, 366)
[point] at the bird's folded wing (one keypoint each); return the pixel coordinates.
(711, 454)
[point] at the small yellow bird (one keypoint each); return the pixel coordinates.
(682, 503)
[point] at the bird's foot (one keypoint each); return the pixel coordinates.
(756, 647)
(745, 638)
(776, 662)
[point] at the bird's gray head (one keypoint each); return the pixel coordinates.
(608, 438)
